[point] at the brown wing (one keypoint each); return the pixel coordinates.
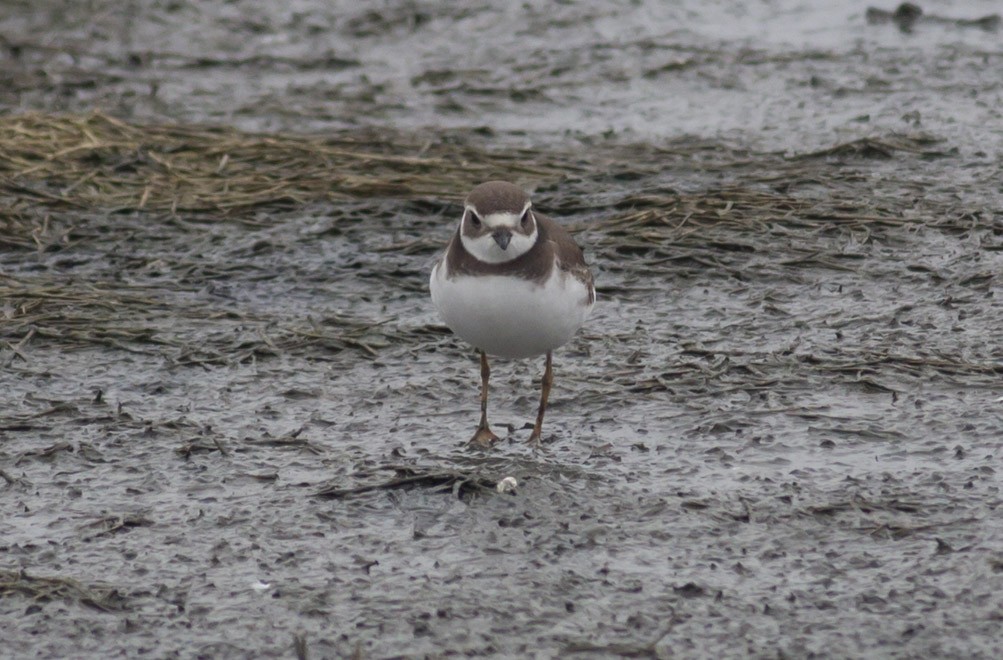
(570, 257)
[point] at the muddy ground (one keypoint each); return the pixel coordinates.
(231, 424)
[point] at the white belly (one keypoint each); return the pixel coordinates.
(510, 317)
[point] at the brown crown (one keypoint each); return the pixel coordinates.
(497, 196)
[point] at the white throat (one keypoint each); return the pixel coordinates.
(485, 248)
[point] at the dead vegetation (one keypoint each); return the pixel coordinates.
(98, 162)
(69, 182)
(459, 483)
(82, 315)
(39, 589)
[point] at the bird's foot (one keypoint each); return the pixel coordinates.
(484, 438)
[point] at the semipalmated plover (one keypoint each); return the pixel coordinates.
(513, 283)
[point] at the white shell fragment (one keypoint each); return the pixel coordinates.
(507, 485)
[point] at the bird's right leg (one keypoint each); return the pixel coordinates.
(483, 437)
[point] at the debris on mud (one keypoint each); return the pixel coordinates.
(70, 162)
(458, 483)
(36, 589)
(907, 15)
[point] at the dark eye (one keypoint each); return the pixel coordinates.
(524, 221)
(475, 222)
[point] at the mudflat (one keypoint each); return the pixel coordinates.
(232, 425)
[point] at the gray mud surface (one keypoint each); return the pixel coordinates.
(231, 424)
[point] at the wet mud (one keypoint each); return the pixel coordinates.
(232, 425)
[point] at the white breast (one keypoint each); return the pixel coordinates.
(508, 316)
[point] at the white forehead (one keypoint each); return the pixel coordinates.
(500, 218)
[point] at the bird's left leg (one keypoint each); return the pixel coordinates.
(548, 380)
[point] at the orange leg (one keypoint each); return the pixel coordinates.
(548, 380)
(483, 437)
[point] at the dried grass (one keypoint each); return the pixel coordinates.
(98, 162)
(64, 177)
(46, 589)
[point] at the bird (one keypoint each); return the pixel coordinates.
(512, 283)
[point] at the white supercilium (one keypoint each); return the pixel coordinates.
(486, 249)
